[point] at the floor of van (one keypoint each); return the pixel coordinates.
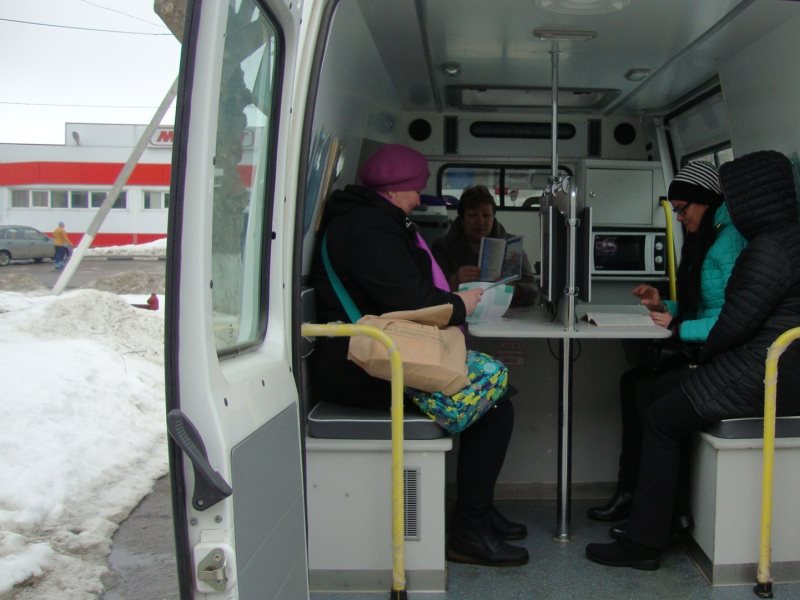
(142, 564)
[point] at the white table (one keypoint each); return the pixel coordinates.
(535, 322)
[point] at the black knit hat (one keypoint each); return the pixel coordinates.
(697, 182)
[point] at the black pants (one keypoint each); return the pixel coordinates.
(639, 387)
(481, 452)
(668, 423)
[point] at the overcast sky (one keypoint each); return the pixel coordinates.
(62, 70)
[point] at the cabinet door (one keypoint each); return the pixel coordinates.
(620, 196)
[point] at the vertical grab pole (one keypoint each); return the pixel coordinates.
(763, 587)
(398, 591)
(673, 288)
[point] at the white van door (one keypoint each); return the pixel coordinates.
(235, 452)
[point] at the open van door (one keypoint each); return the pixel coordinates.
(235, 451)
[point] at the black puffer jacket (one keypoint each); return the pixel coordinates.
(762, 297)
(372, 246)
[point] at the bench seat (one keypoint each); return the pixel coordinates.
(348, 487)
(726, 501)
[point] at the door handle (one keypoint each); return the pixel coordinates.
(209, 486)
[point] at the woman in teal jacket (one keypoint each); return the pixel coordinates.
(709, 252)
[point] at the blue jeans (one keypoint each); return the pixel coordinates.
(61, 256)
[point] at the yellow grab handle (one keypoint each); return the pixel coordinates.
(764, 577)
(673, 288)
(396, 364)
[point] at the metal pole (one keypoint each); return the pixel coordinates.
(87, 239)
(554, 124)
(564, 500)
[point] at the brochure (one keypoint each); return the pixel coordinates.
(494, 303)
(500, 260)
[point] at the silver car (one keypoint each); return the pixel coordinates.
(20, 242)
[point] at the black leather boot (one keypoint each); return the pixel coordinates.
(474, 542)
(617, 509)
(680, 524)
(623, 553)
(505, 529)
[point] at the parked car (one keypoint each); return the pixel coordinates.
(20, 242)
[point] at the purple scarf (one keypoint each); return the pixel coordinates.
(439, 279)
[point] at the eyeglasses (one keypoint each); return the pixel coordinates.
(681, 211)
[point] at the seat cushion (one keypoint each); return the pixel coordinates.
(334, 421)
(734, 429)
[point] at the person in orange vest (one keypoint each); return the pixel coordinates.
(63, 245)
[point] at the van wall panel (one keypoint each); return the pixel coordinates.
(762, 92)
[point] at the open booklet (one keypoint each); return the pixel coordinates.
(500, 260)
(608, 319)
(494, 303)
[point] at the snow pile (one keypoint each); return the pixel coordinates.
(158, 249)
(83, 434)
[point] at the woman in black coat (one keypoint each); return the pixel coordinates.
(385, 265)
(762, 300)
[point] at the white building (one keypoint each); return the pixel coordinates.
(41, 185)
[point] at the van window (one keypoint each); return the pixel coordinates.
(511, 186)
(243, 164)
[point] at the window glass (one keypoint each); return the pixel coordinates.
(40, 199)
(121, 201)
(155, 200)
(19, 198)
(512, 186)
(58, 199)
(243, 172)
(79, 199)
(725, 155)
(98, 198)
(166, 199)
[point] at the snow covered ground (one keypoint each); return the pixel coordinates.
(84, 435)
(157, 248)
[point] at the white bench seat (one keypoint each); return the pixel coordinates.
(726, 501)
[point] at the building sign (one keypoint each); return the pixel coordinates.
(163, 137)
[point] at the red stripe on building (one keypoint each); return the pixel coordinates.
(115, 239)
(75, 173)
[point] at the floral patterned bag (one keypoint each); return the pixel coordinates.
(488, 382)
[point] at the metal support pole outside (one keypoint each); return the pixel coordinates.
(87, 239)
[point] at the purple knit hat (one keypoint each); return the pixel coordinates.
(396, 168)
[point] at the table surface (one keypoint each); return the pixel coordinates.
(536, 322)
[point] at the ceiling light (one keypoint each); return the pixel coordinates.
(564, 34)
(583, 7)
(637, 74)
(451, 69)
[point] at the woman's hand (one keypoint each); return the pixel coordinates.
(662, 319)
(471, 299)
(649, 297)
(468, 273)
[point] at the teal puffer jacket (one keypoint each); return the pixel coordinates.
(717, 267)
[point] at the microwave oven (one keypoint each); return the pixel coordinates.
(635, 252)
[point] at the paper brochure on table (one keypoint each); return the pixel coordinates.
(609, 319)
(494, 303)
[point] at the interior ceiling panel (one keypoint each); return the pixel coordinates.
(492, 43)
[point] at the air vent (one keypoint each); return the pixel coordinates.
(477, 98)
(411, 504)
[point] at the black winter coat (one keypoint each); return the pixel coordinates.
(762, 297)
(372, 246)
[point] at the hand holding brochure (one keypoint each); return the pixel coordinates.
(494, 303)
(500, 260)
